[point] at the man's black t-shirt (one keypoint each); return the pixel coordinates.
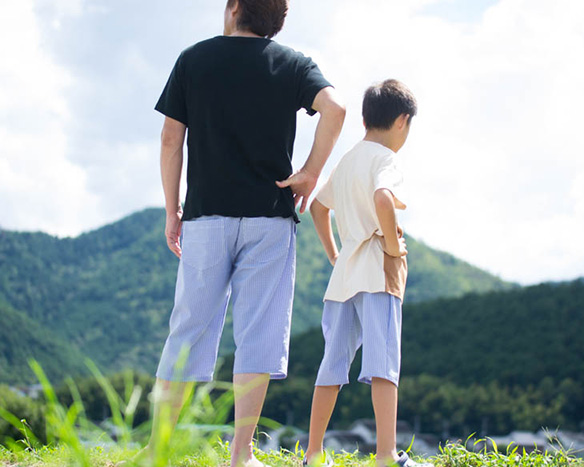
(239, 97)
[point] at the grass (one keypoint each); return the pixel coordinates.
(73, 440)
(452, 455)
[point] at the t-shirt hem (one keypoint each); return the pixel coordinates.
(241, 215)
(362, 291)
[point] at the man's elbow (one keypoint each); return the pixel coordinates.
(170, 139)
(336, 111)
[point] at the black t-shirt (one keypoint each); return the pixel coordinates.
(239, 97)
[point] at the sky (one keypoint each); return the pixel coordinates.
(493, 166)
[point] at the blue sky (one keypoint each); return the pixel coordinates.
(494, 161)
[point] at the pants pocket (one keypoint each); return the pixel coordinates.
(203, 243)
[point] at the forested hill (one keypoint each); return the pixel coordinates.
(107, 294)
(516, 337)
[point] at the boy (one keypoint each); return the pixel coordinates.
(362, 304)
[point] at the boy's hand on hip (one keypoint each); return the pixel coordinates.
(172, 232)
(403, 249)
(302, 184)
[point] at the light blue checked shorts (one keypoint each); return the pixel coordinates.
(251, 260)
(371, 319)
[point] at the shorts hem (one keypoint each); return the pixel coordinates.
(273, 374)
(368, 379)
(186, 378)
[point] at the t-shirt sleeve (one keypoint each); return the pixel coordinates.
(310, 83)
(326, 194)
(389, 176)
(172, 102)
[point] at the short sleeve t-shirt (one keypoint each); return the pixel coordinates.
(238, 97)
(363, 265)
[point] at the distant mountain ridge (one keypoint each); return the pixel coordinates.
(107, 294)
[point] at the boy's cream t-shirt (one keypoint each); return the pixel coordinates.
(362, 265)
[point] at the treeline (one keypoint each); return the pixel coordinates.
(435, 405)
(430, 404)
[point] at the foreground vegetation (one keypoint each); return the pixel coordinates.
(452, 455)
(65, 435)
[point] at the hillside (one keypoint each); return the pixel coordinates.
(21, 338)
(108, 293)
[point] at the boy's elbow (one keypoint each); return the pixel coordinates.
(317, 208)
(383, 198)
(313, 207)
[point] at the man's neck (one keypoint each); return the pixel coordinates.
(238, 33)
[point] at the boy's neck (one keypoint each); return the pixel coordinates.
(384, 137)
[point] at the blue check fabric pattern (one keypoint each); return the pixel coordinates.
(373, 320)
(251, 261)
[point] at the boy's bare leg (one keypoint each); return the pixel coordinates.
(384, 398)
(323, 404)
(249, 391)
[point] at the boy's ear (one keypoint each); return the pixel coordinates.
(403, 120)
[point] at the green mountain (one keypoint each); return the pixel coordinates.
(107, 294)
(22, 338)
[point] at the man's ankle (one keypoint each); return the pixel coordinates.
(241, 454)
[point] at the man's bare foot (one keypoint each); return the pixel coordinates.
(253, 462)
(319, 458)
(143, 456)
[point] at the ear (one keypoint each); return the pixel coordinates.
(403, 120)
(235, 8)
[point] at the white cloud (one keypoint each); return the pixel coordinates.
(494, 154)
(39, 188)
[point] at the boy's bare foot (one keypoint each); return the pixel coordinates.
(402, 461)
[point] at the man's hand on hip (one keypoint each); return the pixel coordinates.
(302, 184)
(172, 232)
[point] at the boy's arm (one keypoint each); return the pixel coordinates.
(395, 245)
(321, 215)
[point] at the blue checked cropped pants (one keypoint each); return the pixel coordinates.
(251, 260)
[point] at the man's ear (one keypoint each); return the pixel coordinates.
(235, 8)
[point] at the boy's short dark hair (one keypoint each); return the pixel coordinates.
(384, 102)
(262, 17)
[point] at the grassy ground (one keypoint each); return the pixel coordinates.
(453, 455)
(204, 418)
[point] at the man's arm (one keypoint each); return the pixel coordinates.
(395, 244)
(321, 215)
(332, 115)
(171, 160)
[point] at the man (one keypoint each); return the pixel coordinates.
(238, 95)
